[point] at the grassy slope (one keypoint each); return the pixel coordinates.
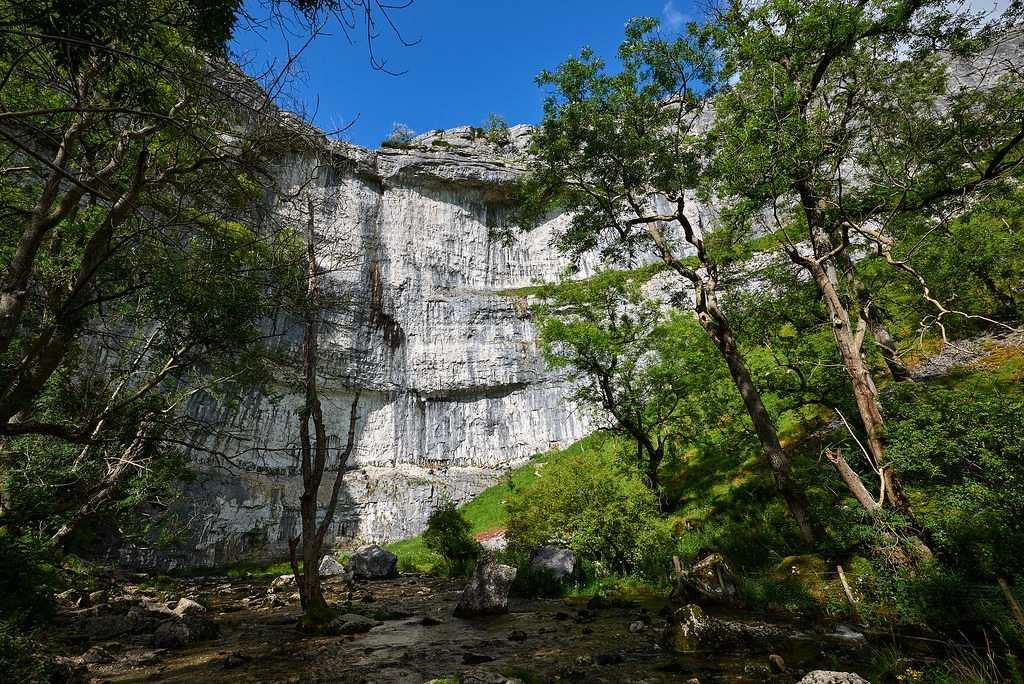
(484, 512)
(722, 499)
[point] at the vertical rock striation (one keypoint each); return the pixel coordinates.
(453, 390)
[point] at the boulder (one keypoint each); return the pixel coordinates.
(373, 562)
(488, 589)
(282, 584)
(181, 631)
(350, 623)
(709, 582)
(691, 630)
(330, 567)
(827, 677)
(171, 635)
(97, 655)
(556, 562)
(188, 608)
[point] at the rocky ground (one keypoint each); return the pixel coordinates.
(403, 630)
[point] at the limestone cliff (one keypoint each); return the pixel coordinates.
(453, 390)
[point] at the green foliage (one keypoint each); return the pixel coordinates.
(589, 503)
(655, 373)
(496, 130)
(22, 658)
(145, 288)
(400, 137)
(962, 450)
(27, 580)
(448, 534)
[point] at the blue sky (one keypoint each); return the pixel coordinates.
(474, 57)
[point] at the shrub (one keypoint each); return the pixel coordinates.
(400, 137)
(21, 659)
(591, 504)
(27, 580)
(961, 449)
(496, 130)
(448, 533)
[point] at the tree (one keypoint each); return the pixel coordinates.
(136, 264)
(314, 452)
(139, 258)
(847, 119)
(651, 370)
(619, 152)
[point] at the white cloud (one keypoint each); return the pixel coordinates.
(671, 17)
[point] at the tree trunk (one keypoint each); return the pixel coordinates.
(871, 314)
(717, 326)
(715, 323)
(314, 456)
(865, 393)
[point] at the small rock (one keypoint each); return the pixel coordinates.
(171, 635)
(142, 658)
(350, 623)
(373, 562)
(330, 567)
(828, 677)
(282, 584)
(488, 589)
(517, 635)
(583, 617)
(776, 663)
(98, 597)
(157, 607)
(97, 655)
(428, 621)
(188, 608)
(484, 677)
(562, 615)
(235, 660)
(476, 658)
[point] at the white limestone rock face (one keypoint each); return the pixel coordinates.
(453, 390)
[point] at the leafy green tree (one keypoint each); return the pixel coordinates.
(136, 266)
(652, 371)
(619, 151)
(590, 504)
(846, 119)
(448, 533)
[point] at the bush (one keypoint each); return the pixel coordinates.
(400, 137)
(27, 580)
(961, 450)
(448, 533)
(21, 659)
(591, 504)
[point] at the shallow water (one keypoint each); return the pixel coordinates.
(557, 640)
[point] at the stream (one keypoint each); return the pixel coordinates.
(414, 638)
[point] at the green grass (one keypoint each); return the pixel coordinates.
(643, 273)
(486, 511)
(242, 570)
